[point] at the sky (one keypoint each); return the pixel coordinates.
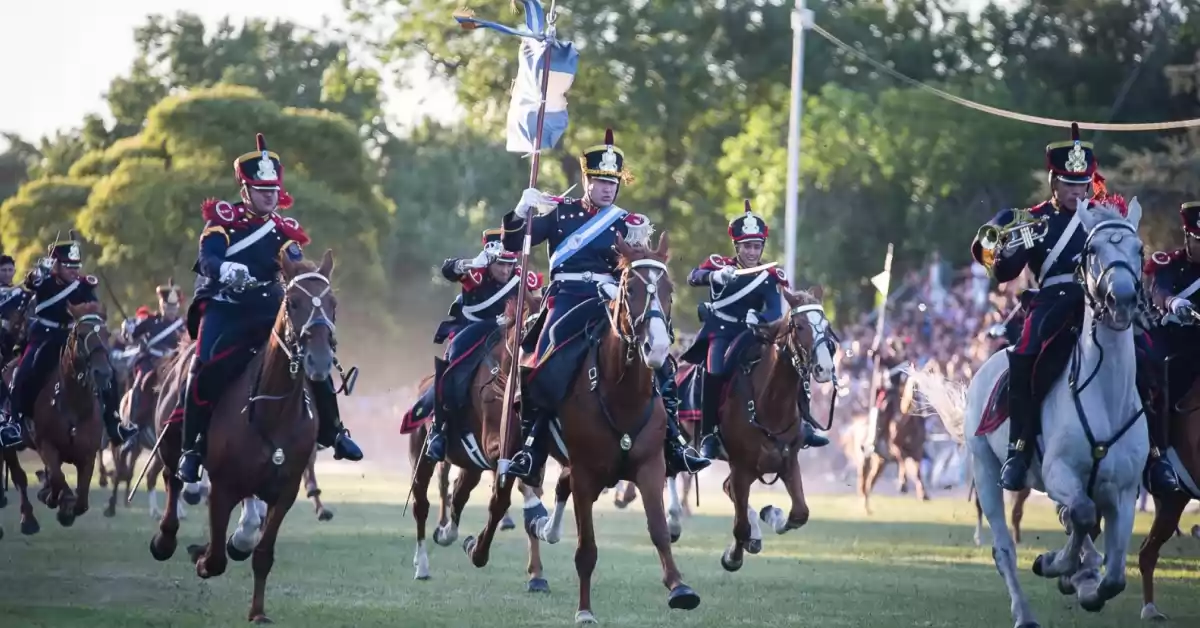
(67, 51)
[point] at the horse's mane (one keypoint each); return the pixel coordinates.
(801, 297)
(1107, 211)
(305, 266)
(84, 309)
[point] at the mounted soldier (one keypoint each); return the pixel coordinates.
(1168, 347)
(743, 294)
(1049, 241)
(155, 336)
(12, 299)
(55, 284)
(488, 281)
(580, 235)
(237, 300)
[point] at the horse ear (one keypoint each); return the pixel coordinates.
(1086, 217)
(664, 246)
(287, 267)
(1134, 215)
(73, 310)
(622, 248)
(326, 268)
(818, 293)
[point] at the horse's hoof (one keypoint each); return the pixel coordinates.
(162, 550)
(196, 552)
(675, 536)
(507, 523)
(3, 499)
(538, 585)
(1065, 587)
(444, 539)
(1029, 624)
(316, 492)
(620, 504)
(261, 620)
(30, 527)
(469, 545)
(683, 597)
(235, 553)
(192, 499)
(65, 519)
(754, 546)
(1037, 566)
(325, 515)
(583, 618)
(728, 564)
(1092, 606)
(110, 512)
(1150, 612)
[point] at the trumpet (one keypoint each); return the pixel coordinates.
(1024, 226)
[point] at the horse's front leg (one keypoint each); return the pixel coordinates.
(264, 552)
(210, 558)
(798, 516)
(29, 522)
(83, 485)
(674, 510)
(246, 535)
(649, 479)
(467, 480)
(111, 509)
(313, 491)
(163, 544)
(423, 469)
(1118, 528)
(550, 527)
(739, 492)
(478, 549)
(1078, 514)
(1167, 513)
(537, 581)
(59, 495)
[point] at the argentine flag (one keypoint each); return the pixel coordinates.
(527, 90)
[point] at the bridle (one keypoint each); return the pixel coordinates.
(1103, 311)
(92, 325)
(802, 358)
(295, 341)
(649, 272)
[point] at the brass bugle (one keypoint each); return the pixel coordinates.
(994, 238)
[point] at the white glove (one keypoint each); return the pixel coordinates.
(1179, 306)
(751, 318)
(530, 198)
(502, 320)
(481, 261)
(234, 273)
(610, 290)
(723, 276)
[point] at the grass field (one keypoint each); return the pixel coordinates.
(909, 565)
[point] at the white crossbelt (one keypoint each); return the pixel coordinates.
(1054, 280)
(1052, 257)
(586, 276)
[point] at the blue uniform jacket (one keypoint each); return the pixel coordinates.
(233, 233)
(1008, 265)
(724, 316)
(478, 288)
(53, 320)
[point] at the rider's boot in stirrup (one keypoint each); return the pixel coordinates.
(681, 457)
(810, 436)
(1159, 476)
(710, 441)
(1023, 421)
(330, 431)
(527, 464)
(118, 433)
(435, 442)
(196, 416)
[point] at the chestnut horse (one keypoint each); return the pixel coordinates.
(137, 408)
(482, 419)
(262, 435)
(903, 439)
(613, 424)
(1185, 438)
(66, 425)
(760, 417)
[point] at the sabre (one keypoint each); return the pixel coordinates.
(141, 476)
(755, 269)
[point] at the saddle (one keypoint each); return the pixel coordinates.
(1050, 363)
(744, 349)
(420, 413)
(456, 381)
(547, 382)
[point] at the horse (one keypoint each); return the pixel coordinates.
(1094, 399)
(66, 424)
(137, 408)
(475, 446)
(1018, 512)
(1185, 435)
(611, 423)
(903, 443)
(262, 435)
(761, 413)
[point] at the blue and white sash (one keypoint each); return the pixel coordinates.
(586, 233)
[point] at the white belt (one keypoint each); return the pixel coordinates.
(48, 323)
(1054, 280)
(725, 317)
(587, 276)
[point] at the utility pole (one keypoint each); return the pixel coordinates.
(802, 20)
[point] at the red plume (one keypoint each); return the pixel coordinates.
(1074, 132)
(608, 137)
(261, 142)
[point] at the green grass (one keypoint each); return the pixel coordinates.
(909, 565)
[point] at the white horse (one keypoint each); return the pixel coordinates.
(1095, 433)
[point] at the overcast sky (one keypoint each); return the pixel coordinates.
(63, 53)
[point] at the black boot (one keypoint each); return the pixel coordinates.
(1023, 421)
(681, 458)
(435, 442)
(11, 434)
(1159, 476)
(527, 464)
(196, 417)
(118, 432)
(810, 436)
(710, 441)
(330, 431)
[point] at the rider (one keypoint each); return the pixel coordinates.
(1173, 279)
(11, 299)
(580, 235)
(55, 283)
(487, 283)
(243, 244)
(157, 335)
(741, 294)
(1058, 302)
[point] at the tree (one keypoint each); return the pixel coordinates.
(15, 162)
(42, 210)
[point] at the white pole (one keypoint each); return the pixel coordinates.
(802, 19)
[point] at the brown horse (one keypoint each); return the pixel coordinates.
(1018, 512)
(66, 425)
(613, 425)
(1185, 438)
(261, 437)
(760, 421)
(903, 436)
(137, 408)
(482, 420)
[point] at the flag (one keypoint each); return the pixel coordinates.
(521, 127)
(881, 282)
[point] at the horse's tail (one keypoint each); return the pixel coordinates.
(947, 399)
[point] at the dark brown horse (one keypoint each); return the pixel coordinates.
(760, 420)
(903, 435)
(1185, 438)
(613, 426)
(66, 426)
(261, 437)
(137, 408)
(482, 419)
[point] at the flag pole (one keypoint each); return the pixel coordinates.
(514, 347)
(876, 358)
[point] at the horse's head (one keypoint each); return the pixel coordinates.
(309, 309)
(1112, 262)
(644, 303)
(807, 335)
(87, 344)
